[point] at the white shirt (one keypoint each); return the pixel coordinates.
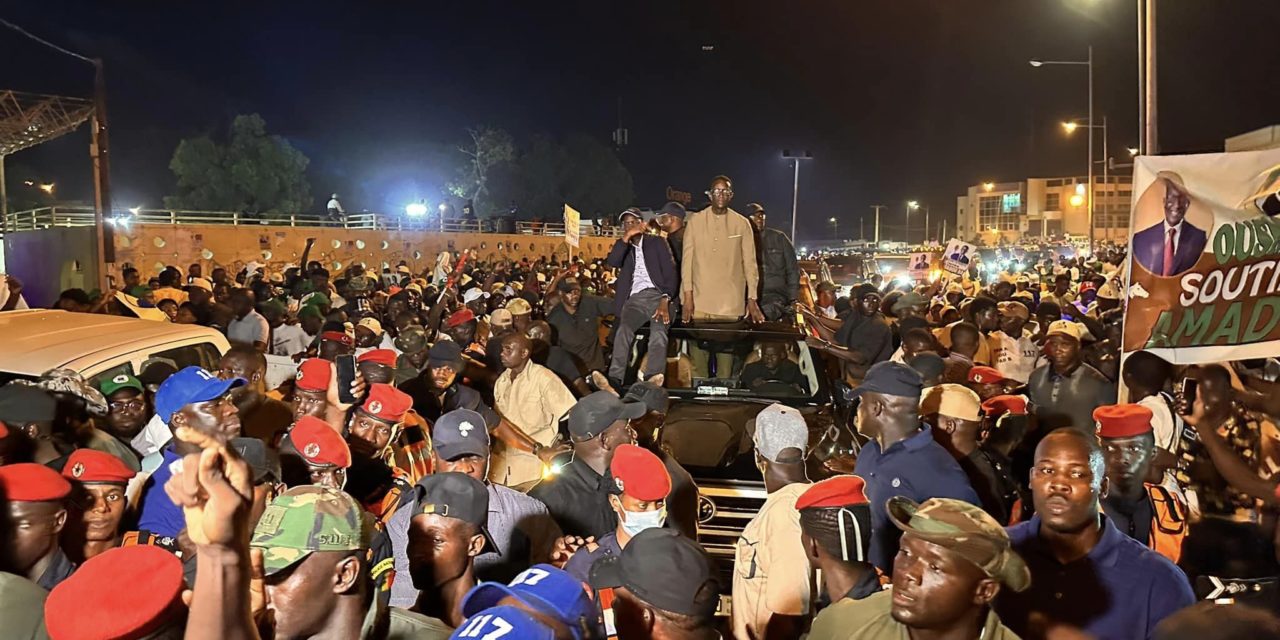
(1015, 358)
(334, 204)
(640, 280)
(250, 329)
(289, 339)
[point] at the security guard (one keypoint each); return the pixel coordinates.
(1149, 513)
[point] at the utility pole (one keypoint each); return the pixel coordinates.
(861, 235)
(795, 186)
(1147, 75)
(877, 207)
(98, 150)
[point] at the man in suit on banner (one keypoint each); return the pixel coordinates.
(1172, 245)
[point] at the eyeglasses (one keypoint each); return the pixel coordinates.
(719, 191)
(136, 404)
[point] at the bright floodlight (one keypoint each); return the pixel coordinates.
(135, 210)
(416, 209)
(1077, 200)
(913, 205)
(832, 221)
(47, 188)
(1035, 63)
(1070, 127)
(1133, 151)
(988, 185)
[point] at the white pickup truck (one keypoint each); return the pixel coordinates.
(33, 341)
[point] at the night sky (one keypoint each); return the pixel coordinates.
(897, 100)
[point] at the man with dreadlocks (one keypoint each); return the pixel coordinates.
(835, 525)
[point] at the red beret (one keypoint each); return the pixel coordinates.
(314, 374)
(337, 336)
(639, 473)
(387, 403)
(986, 375)
(1000, 405)
(319, 444)
(1122, 420)
(460, 316)
(126, 592)
(90, 465)
(836, 491)
(381, 356)
(31, 482)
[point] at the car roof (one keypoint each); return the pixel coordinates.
(38, 340)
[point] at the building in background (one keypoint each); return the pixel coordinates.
(1256, 140)
(996, 213)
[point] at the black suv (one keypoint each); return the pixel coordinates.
(711, 419)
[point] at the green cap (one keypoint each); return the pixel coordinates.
(305, 519)
(309, 310)
(118, 382)
(965, 529)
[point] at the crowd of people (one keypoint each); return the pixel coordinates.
(476, 451)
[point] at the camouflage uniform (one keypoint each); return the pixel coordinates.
(312, 518)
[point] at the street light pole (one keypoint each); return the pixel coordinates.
(912, 205)
(795, 186)
(835, 228)
(1084, 63)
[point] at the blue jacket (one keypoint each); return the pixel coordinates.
(1148, 248)
(657, 259)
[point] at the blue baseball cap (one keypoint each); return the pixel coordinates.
(543, 588)
(503, 621)
(189, 386)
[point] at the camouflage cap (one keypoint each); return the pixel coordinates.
(965, 529)
(306, 519)
(412, 340)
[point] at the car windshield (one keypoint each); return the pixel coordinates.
(734, 362)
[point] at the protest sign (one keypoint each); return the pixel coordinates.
(572, 226)
(1204, 271)
(920, 266)
(957, 255)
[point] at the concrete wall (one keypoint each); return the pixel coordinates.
(50, 261)
(151, 247)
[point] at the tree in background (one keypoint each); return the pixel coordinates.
(489, 149)
(253, 172)
(581, 171)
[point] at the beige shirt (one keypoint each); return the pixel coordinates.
(771, 572)
(534, 401)
(872, 619)
(719, 264)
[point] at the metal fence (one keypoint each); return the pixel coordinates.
(82, 216)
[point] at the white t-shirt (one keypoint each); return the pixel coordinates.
(250, 329)
(1014, 358)
(289, 339)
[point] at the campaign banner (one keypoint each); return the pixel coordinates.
(957, 256)
(1204, 251)
(572, 226)
(920, 266)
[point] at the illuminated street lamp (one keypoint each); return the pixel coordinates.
(835, 228)
(988, 186)
(416, 210)
(47, 188)
(1077, 200)
(1070, 127)
(1089, 64)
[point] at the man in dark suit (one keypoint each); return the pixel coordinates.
(647, 280)
(1173, 245)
